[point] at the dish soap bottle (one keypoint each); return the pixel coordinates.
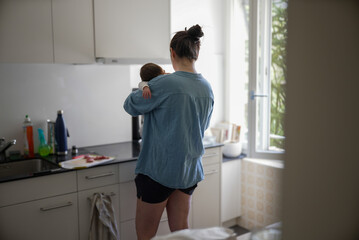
(44, 149)
(61, 134)
(28, 138)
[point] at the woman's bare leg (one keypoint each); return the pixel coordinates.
(148, 217)
(178, 205)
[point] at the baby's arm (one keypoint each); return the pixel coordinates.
(146, 92)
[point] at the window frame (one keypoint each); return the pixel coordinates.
(257, 12)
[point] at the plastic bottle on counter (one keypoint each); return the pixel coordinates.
(28, 138)
(61, 134)
(44, 149)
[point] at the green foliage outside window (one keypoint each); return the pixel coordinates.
(278, 72)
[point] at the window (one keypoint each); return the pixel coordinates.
(256, 73)
(267, 63)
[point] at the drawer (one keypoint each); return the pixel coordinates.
(97, 177)
(212, 156)
(36, 188)
(54, 218)
(127, 171)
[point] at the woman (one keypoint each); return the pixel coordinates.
(169, 166)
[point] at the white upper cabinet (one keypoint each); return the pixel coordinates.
(25, 31)
(45, 31)
(73, 31)
(132, 30)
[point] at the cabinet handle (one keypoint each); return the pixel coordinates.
(210, 155)
(211, 172)
(111, 195)
(44, 209)
(100, 175)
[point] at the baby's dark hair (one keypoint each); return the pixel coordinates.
(186, 43)
(149, 71)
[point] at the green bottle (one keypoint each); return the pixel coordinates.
(44, 149)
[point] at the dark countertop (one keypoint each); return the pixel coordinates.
(122, 152)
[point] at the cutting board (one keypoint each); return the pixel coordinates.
(80, 162)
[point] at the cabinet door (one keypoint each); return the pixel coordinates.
(128, 229)
(51, 218)
(206, 199)
(73, 31)
(132, 29)
(85, 207)
(128, 202)
(231, 190)
(26, 31)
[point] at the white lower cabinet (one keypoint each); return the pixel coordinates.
(58, 206)
(50, 218)
(85, 207)
(231, 190)
(206, 199)
(128, 200)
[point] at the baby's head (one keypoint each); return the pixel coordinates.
(150, 70)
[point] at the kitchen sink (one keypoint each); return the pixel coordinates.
(26, 167)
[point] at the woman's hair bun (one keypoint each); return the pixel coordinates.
(195, 32)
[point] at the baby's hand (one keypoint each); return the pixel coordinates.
(146, 92)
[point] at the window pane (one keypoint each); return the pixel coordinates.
(270, 78)
(278, 73)
(263, 80)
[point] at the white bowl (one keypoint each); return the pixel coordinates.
(232, 149)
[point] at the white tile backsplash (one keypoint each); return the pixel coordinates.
(90, 95)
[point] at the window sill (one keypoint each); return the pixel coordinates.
(267, 162)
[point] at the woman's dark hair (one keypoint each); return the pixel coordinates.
(186, 43)
(149, 71)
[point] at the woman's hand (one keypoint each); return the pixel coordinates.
(146, 92)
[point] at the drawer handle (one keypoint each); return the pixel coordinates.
(111, 195)
(44, 209)
(100, 175)
(210, 155)
(210, 172)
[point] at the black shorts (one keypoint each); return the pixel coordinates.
(151, 191)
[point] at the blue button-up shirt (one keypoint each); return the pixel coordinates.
(175, 118)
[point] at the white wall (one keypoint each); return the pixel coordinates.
(90, 95)
(211, 16)
(321, 175)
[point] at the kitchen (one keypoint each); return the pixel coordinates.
(96, 91)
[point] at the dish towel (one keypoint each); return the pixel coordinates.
(103, 224)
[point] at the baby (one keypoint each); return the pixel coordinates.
(147, 72)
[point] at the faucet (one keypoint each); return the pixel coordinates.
(4, 146)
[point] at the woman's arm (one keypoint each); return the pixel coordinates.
(136, 105)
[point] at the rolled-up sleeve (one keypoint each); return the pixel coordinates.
(136, 105)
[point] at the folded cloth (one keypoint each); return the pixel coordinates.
(103, 224)
(213, 233)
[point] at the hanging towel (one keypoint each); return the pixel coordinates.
(103, 224)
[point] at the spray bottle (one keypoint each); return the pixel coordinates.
(28, 138)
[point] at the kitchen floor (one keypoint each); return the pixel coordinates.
(246, 236)
(242, 233)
